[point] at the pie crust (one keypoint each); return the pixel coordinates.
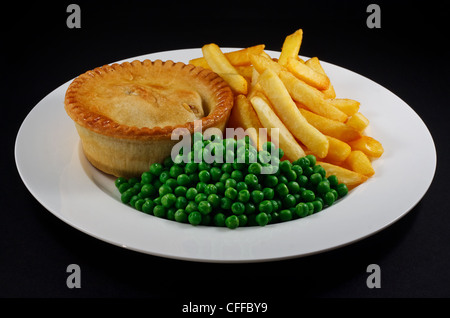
(125, 113)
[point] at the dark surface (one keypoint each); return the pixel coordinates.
(408, 56)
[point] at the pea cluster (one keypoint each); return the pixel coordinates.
(249, 188)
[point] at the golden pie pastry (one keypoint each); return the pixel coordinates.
(125, 113)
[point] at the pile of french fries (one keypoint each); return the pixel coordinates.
(298, 98)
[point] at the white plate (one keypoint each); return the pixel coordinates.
(52, 165)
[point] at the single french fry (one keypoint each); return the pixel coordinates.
(290, 115)
(220, 64)
(370, 146)
(269, 119)
(348, 106)
(310, 97)
(330, 127)
(200, 61)
(307, 74)
(242, 57)
(261, 63)
(358, 121)
(350, 178)
(291, 46)
(358, 161)
(243, 115)
(236, 58)
(314, 63)
(338, 151)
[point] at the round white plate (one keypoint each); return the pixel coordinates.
(51, 163)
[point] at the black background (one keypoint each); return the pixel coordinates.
(408, 55)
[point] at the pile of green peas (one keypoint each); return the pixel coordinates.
(246, 188)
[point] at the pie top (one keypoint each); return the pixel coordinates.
(141, 100)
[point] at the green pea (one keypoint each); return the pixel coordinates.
(312, 160)
(303, 162)
(293, 187)
(181, 203)
(238, 208)
(315, 178)
(175, 171)
(200, 197)
(251, 180)
(168, 200)
(243, 220)
(237, 175)
(241, 185)
(191, 207)
(181, 216)
(172, 183)
(266, 206)
(119, 181)
(216, 173)
(220, 187)
(250, 208)
(164, 176)
(323, 186)
(329, 198)
(201, 186)
(257, 196)
(170, 214)
(225, 203)
(204, 176)
(133, 181)
(269, 193)
(191, 193)
(262, 219)
(302, 180)
(227, 168)
(214, 200)
(138, 204)
(180, 191)
(290, 175)
(219, 219)
(164, 189)
(195, 218)
(230, 183)
(301, 209)
(231, 193)
(204, 207)
(342, 190)
(285, 166)
(123, 187)
(243, 195)
(204, 166)
(190, 167)
(308, 195)
(183, 179)
(270, 181)
(254, 168)
(232, 222)
(159, 211)
(318, 205)
(289, 201)
(127, 195)
(282, 189)
(319, 169)
(333, 181)
(285, 215)
(148, 206)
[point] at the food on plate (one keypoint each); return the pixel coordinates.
(232, 194)
(125, 113)
(297, 96)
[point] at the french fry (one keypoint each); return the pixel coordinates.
(269, 119)
(358, 121)
(350, 178)
(307, 74)
(348, 106)
(261, 63)
(291, 47)
(314, 63)
(246, 71)
(338, 150)
(200, 61)
(243, 115)
(357, 161)
(242, 57)
(290, 115)
(331, 127)
(236, 58)
(219, 64)
(370, 146)
(310, 97)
